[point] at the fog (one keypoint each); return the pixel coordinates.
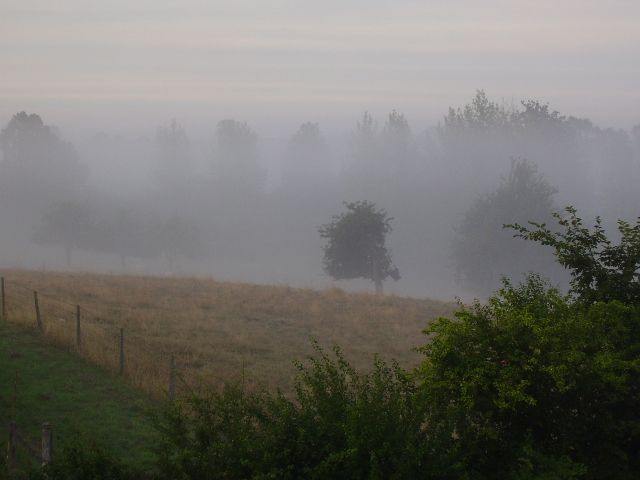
(238, 206)
(215, 138)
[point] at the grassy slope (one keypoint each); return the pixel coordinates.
(40, 382)
(218, 329)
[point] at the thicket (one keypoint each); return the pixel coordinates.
(533, 384)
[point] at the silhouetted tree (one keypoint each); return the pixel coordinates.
(356, 245)
(37, 166)
(176, 237)
(481, 137)
(173, 152)
(383, 160)
(66, 224)
(307, 159)
(236, 168)
(482, 250)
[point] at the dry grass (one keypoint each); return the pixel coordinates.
(216, 330)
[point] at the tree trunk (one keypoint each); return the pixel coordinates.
(378, 284)
(377, 281)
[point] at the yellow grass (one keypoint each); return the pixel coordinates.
(217, 331)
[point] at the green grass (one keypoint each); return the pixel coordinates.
(40, 382)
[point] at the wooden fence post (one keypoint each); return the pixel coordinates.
(47, 443)
(78, 337)
(11, 448)
(121, 351)
(4, 308)
(172, 378)
(38, 318)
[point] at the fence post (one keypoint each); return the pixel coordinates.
(121, 351)
(172, 378)
(47, 443)
(38, 319)
(4, 308)
(78, 338)
(11, 448)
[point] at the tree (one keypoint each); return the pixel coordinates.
(177, 237)
(533, 385)
(482, 251)
(480, 116)
(237, 169)
(601, 271)
(37, 166)
(356, 245)
(480, 137)
(383, 160)
(173, 152)
(66, 224)
(118, 230)
(307, 160)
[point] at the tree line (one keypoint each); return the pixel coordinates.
(449, 188)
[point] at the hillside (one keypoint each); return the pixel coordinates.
(216, 330)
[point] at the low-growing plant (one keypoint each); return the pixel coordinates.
(82, 460)
(339, 424)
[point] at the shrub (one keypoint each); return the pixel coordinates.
(339, 424)
(532, 382)
(82, 461)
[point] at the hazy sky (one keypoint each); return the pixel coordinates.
(129, 65)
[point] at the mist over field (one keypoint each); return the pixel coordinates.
(216, 139)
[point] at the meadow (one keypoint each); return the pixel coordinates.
(216, 331)
(82, 402)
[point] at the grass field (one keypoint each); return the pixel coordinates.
(218, 331)
(40, 382)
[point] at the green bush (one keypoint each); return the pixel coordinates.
(339, 424)
(85, 461)
(532, 385)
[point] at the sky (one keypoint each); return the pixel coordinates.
(127, 66)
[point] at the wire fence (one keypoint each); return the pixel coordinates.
(104, 341)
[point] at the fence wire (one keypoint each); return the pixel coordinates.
(98, 338)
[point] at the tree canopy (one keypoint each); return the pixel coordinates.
(601, 270)
(482, 251)
(356, 244)
(236, 159)
(36, 157)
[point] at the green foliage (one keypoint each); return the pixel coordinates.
(81, 461)
(340, 424)
(4, 471)
(482, 252)
(600, 269)
(356, 244)
(532, 385)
